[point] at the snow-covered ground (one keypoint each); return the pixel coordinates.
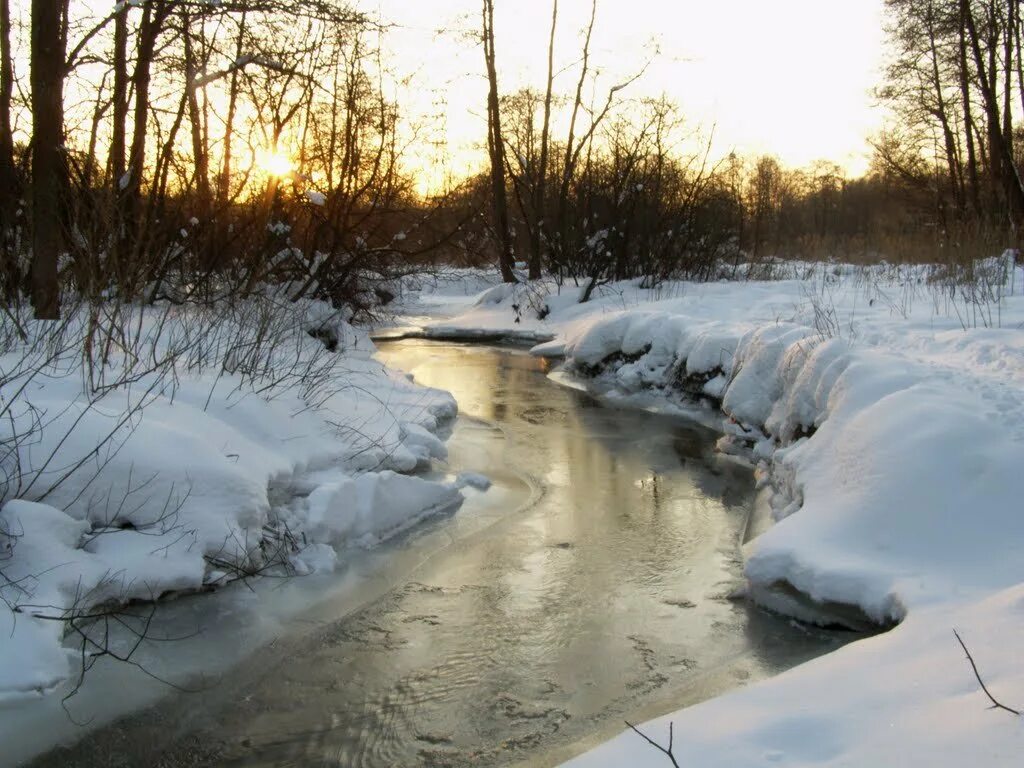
(229, 447)
(884, 408)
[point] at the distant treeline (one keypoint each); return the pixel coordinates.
(155, 170)
(627, 191)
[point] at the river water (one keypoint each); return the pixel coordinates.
(590, 585)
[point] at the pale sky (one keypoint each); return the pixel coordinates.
(791, 78)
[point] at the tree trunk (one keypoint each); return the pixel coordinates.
(540, 191)
(8, 174)
(200, 157)
(952, 161)
(1015, 26)
(1001, 157)
(568, 163)
(229, 124)
(969, 128)
(47, 80)
(496, 149)
(1010, 170)
(119, 130)
(118, 133)
(153, 16)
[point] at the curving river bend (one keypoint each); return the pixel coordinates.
(590, 585)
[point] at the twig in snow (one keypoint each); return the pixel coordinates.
(996, 704)
(667, 751)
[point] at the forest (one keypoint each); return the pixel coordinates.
(223, 146)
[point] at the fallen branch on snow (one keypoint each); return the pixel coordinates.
(667, 751)
(996, 704)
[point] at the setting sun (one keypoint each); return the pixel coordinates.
(275, 162)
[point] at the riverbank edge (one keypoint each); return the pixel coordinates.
(802, 391)
(779, 597)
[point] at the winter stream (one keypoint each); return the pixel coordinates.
(589, 585)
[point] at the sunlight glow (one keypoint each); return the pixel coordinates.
(790, 78)
(275, 162)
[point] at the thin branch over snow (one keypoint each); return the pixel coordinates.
(667, 751)
(996, 704)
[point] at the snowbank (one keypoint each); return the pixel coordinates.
(885, 413)
(907, 698)
(370, 507)
(830, 422)
(188, 476)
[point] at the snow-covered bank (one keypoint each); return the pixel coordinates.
(906, 698)
(830, 423)
(229, 447)
(886, 411)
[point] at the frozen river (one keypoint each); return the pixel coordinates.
(592, 584)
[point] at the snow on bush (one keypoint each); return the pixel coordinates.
(370, 507)
(139, 448)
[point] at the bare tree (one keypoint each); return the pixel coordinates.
(1003, 166)
(540, 190)
(9, 183)
(496, 149)
(950, 82)
(47, 160)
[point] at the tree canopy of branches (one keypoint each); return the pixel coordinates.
(182, 149)
(176, 145)
(954, 81)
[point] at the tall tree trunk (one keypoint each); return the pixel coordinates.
(969, 127)
(47, 80)
(8, 174)
(1009, 171)
(996, 163)
(118, 133)
(540, 190)
(568, 166)
(1015, 25)
(200, 156)
(952, 159)
(200, 152)
(496, 149)
(229, 124)
(10, 184)
(1001, 151)
(118, 129)
(153, 16)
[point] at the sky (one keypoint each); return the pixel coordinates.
(791, 78)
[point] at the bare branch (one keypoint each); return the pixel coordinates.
(667, 751)
(996, 704)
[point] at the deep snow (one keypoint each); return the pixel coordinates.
(884, 408)
(216, 475)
